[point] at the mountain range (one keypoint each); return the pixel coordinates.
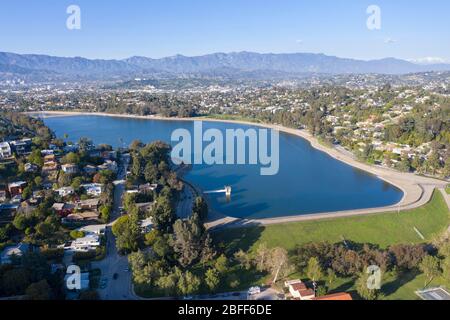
(217, 64)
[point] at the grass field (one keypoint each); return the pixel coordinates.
(447, 189)
(382, 229)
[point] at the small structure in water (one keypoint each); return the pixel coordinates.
(227, 190)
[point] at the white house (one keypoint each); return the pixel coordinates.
(93, 189)
(85, 244)
(5, 150)
(69, 168)
(65, 191)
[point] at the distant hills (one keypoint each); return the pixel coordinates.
(217, 64)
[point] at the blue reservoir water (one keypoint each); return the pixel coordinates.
(309, 181)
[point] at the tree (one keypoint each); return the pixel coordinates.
(105, 213)
(151, 173)
(221, 264)
(163, 214)
(185, 243)
(27, 192)
(71, 158)
(331, 276)
(314, 270)
(201, 208)
(188, 283)
(262, 256)
(127, 232)
(21, 222)
(446, 268)
(76, 183)
(136, 145)
(243, 259)
(279, 263)
(39, 291)
(14, 282)
(212, 279)
(430, 267)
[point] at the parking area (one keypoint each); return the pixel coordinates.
(434, 294)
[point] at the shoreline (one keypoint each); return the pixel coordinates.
(417, 190)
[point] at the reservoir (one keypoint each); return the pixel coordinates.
(308, 181)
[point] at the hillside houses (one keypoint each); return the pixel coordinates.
(5, 150)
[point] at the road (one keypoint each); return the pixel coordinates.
(121, 288)
(185, 204)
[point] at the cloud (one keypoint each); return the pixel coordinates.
(429, 60)
(389, 41)
(299, 41)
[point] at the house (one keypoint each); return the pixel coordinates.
(65, 191)
(90, 204)
(22, 147)
(63, 209)
(47, 152)
(89, 169)
(30, 168)
(147, 188)
(69, 168)
(82, 217)
(50, 166)
(93, 189)
(5, 150)
(108, 165)
(13, 251)
(50, 158)
(342, 296)
(85, 244)
(16, 188)
(299, 291)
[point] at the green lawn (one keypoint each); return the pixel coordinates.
(383, 229)
(447, 189)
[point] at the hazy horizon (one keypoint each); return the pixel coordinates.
(156, 29)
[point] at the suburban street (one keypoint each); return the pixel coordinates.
(121, 287)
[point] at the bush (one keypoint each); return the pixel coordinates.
(75, 234)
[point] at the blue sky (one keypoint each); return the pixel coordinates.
(410, 29)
